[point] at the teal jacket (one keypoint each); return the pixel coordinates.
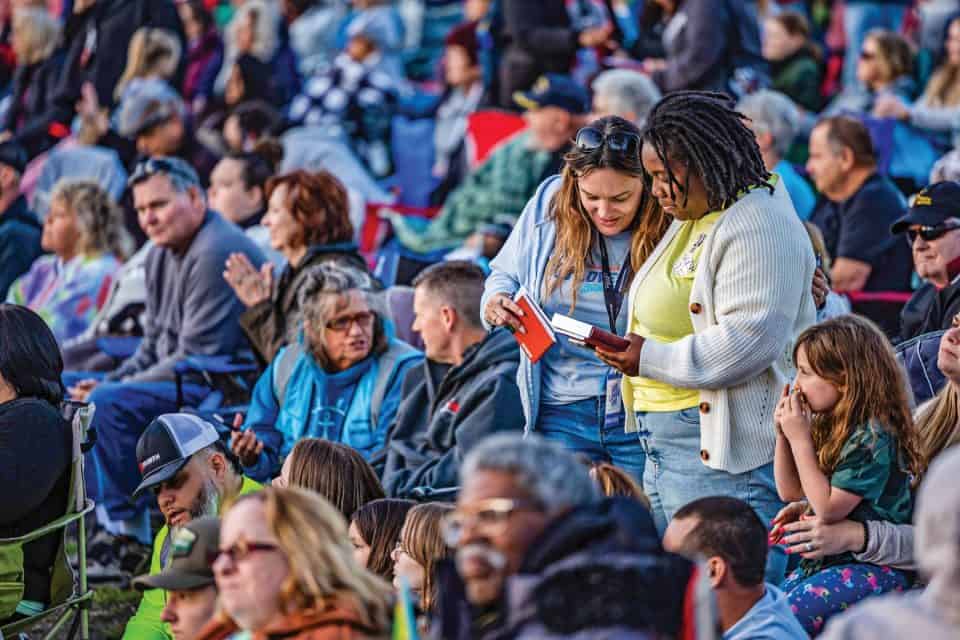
(358, 417)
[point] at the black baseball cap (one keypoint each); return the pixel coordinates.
(555, 90)
(932, 207)
(14, 156)
(193, 548)
(167, 444)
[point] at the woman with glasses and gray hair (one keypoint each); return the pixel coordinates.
(339, 380)
(86, 240)
(574, 250)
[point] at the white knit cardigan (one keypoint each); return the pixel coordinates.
(750, 299)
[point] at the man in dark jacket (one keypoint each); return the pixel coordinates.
(465, 389)
(539, 38)
(712, 44)
(540, 555)
(933, 228)
(191, 311)
(97, 35)
(19, 228)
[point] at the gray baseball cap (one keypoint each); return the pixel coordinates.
(193, 548)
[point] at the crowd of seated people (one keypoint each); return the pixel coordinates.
(292, 254)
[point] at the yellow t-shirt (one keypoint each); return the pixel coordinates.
(661, 311)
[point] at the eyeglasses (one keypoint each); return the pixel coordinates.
(931, 233)
(150, 167)
(591, 139)
(364, 320)
(241, 549)
(490, 516)
(399, 548)
(867, 55)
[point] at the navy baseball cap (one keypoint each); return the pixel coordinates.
(555, 90)
(167, 444)
(932, 207)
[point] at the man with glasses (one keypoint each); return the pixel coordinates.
(530, 530)
(857, 207)
(192, 474)
(932, 228)
(190, 311)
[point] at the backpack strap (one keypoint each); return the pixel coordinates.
(283, 369)
(396, 354)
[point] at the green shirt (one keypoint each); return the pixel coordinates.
(870, 466)
(145, 623)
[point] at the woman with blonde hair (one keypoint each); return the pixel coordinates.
(153, 53)
(35, 37)
(938, 109)
(420, 548)
(574, 251)
(86, 240)
(285, 569)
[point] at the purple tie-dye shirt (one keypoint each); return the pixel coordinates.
(67, 295)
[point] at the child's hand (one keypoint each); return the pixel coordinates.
(790, 513)
(781, 410)
(796, 416)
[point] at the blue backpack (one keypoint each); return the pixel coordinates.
(919, 359)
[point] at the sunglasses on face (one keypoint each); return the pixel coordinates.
(867, 55)
(931, 233)
(591, 139)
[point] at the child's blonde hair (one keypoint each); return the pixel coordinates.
(854, 356)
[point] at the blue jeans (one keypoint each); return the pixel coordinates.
(675, 476)
(580, 427)
(124, 409)
(859, 17)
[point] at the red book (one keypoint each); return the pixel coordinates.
(588, 334)
(539, 336)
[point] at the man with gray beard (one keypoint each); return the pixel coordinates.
(183, 461)
(540, 554)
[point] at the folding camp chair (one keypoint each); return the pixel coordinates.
(69, 596)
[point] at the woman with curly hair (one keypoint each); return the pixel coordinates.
(84, 235)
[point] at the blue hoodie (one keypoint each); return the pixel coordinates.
(19, 243)
(318, 404)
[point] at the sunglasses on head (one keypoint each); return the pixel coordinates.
(931, 233)
(150, 167)
(591, 139)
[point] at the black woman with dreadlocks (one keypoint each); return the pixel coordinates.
(714, 311)
(574, 249)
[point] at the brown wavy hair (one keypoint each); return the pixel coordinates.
(379, 523)
(852, 354)
(575, 231)
(943, 88)
(318, 201)
(422, 539)
(938, 424)
(335, 471)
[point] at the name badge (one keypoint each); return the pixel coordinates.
(614, 416)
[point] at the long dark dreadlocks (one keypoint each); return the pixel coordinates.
(702, 130)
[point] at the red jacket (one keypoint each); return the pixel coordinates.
(336, 623)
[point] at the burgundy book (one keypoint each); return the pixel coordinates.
(588, 334)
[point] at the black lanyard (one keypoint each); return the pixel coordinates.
(613, 292)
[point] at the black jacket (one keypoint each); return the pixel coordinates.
(597, 572)
(34, 89)
(447, 410)
(20, 232)
(270, 324)
(96, 52)
(35, 476)
(707, 41)
(538, 39)
(930, 309)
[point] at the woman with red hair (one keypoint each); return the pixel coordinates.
(309, 224)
